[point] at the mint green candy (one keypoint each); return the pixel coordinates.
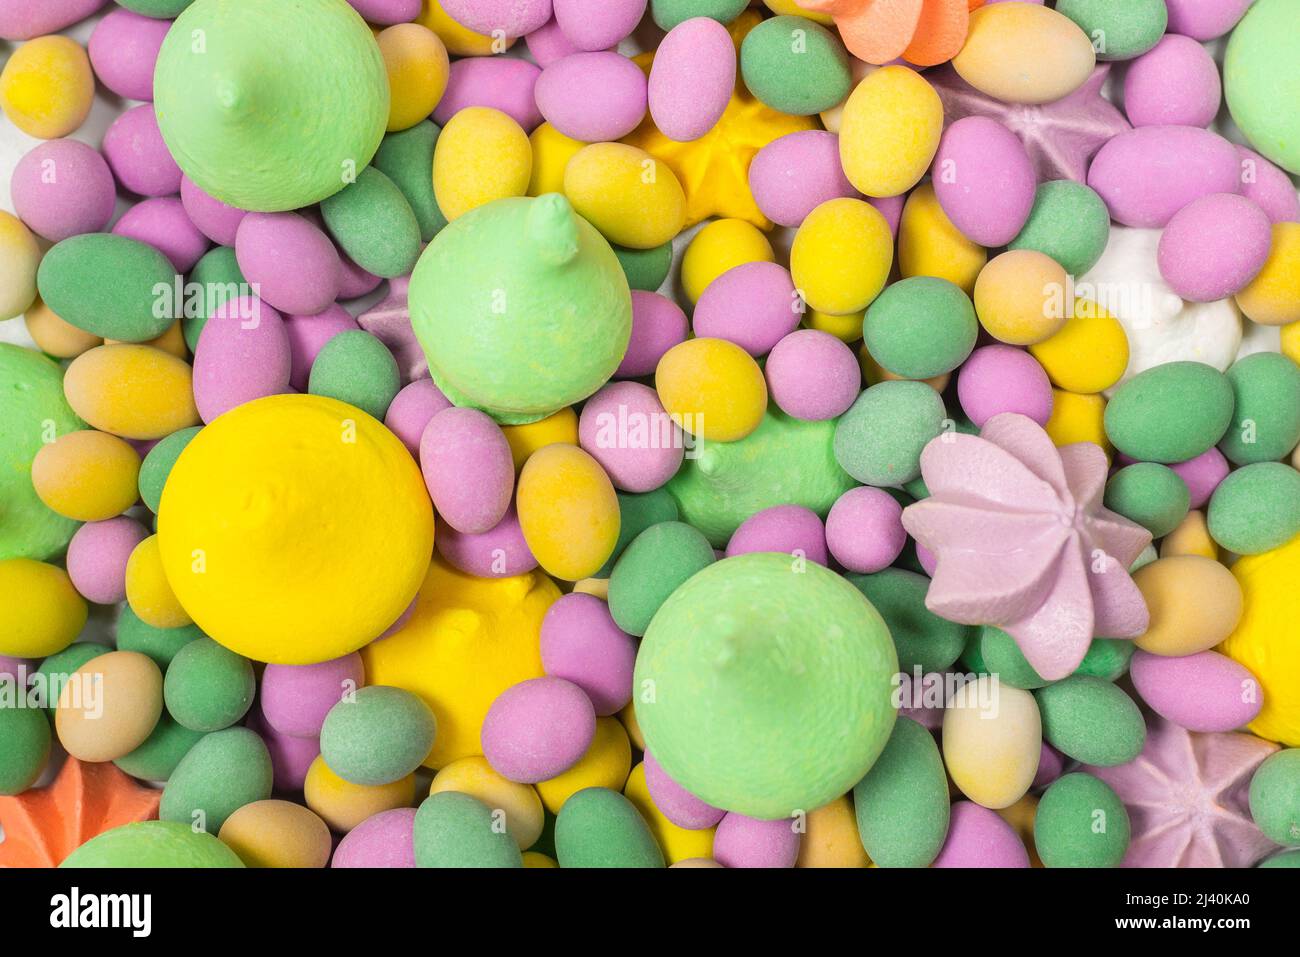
(1118, 29)
(795, 65)
(377, 735)
(156, 759)
(646, 269)
(220, 279)
(406, 158)
(1068, 222)
(1256, 508)
(1275, 797)
(1107, 658)
(1285, 859)
(923, 639)
(24, 747)
(879, 440)
(157, 465)
(208, 687)
(598, 827)
(152, 844)
(1152, 495)
(920, 327)
(1259, 74)
(668, 13)
(1081, 822)
(651, 568)
(57, 668)
(374, 224)
(1266, 409)
(902, 803)
(109, 286)
(992, 651)
(1091, 720)
(456, 830)
(160, 644)
(356, 368)
(221, 773)
(636, 513)
(158, 9)
(1170, 413)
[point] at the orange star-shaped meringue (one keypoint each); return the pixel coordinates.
(42, 826)
(923, 32)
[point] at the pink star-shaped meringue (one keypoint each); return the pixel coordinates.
(1022, 541)
(1186, 796)
(1061, 137)
(389, 321)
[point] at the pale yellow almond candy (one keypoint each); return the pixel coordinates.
(831, 838)
(1194, 603)
(1024, 53)
(56, 336)
(109, 706)
(1191, 537)
(992, 739)
(518, 803)
(274, 833)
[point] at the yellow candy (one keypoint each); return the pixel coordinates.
(721, 245)
(930, 245)
(469, 640)
(1021, 817)
(343, 805)
(841, 256)
(299, 551)
(792, 8)
(524, 440)
(133, 391)
(847, 328)
(832, 838)
(596, 587)
(482, 155)
(1191, 537)
(552, 151)
(833, 118)
(712, 388)
(605, 765)
(118, 715)
(19, 259)
(890, 131)
(1015, 295)
(53, 335)
(1088, 354)
(519, 803)
(1273, 297)
(1291, 342)
(147, 590)
(568, 511)
(275, 833)
(417, 66)
(459, 40)
(1078, 418)
(677, 843)
(992, 740)
(874, 372)
(40, 612)
(1024, 53)
(1194, 603)
(628, 717)
(87, 476)
(537, 859)
(630, 196)
(47, 87)
(171, 341)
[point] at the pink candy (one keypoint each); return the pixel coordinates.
(97, 557)
(502, 83)
(411, 410)
(307, 337)
(500, 552)
(1203, 475)
(625, 428)
(512, 18)
(290, 260)
(163, 223)
(242, 355)
(63, 188)
(658, 324)
(25, 19)
(793, 175)
(467, 468)
(1176, 83)
(1205, 19)
(537, 729)
(1001, 378)
(984, 180)
(747, 842)
(978, 837)
(864, 530)
(593, 97)
(753, 305)
(216, 220)
(138, 156)
(387, 12)
(1268, 187)
(598, 24)
(692, 78)
(675, 802)
(386, 839)
(296, 698)
(792, 529)
(123, 50)
(1214, 246)
(581, 643)
(548, 43)
(1202, 692)
(811, 375)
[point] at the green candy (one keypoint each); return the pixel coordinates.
(1081, 822)
(158, 9)
(108, 286)
(992, 651)
(160, 644)
(1285, 859)
(24, 746)
(1259, 74)
(156, 759)
(598, 827)
(745, 667)
(407, 159)
(922, 639)
(902, 803)
(1275, 797)
(879, 440)
(785, 461)
(56, 669)
(916, 489)
(356, 368)
(157, 465)
(377, 735)
(1145, 557)
(221, 279)
(153, 844)
(795, 65)
(34, 414)
(208, 687)
(1118, 29)
(221, 773)
(646, 269)
(920, 327)
(456, 830)
(1068, 222)
(1091, 720)
(668, 13)
(1256, 508)
(658, 561)
(636, 513)
(1170, 413)
(1152, 495)
(1107, 658)
(374, 224)
(1266, 409)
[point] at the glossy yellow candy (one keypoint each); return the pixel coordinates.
(992, 738)
(1024, 53)
(846, 328)
(1088, 354)
(568, 511)
(53, 335)
(1015, 297)
(1273, 296)
(1191, 537)
(148, 592)
(677, 843)
(459, 40)
(890, 131)
(832, 838)
(721, 245)
(930, 245)
(40, 612)
(712, 388)
(605, 765)
(417, 66)
(841, 256)
(274, 833)
(47, 87)
(518, 803)
(552, 151)
(482, 155)
(524, 440)
(468, 640)
(295, 529)
(1194, 603)
(630, 196)
(19, 259)
(1078, 418)
(134, 391)
(88, 476)
(343, 805)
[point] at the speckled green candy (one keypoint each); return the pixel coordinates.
(456, 830)
(879, 440)
(668, 13)
(1118, 29)
(1170, 413)
(795, 65)
(1068, 222)
(107, 285)
(636, 513)
(921, 638)
(377, 736)
(1285, 859)
(1275, 797)
(153, 844)
(222, 772)
(785, 461)
(299, 85)
(1107, 658)
(1256, 508)
(156, 759)
(745, 668)
(646, 269)
(374, 224)
(1152, 495)
(598, 827)
(1259, 73)
(160, 644)
(406, 158)
(158, 9)
(356, 368)
(902, 803)
(1081, 822)
(157, 465)
(1266, 409)
(921, 327)
(219, 276)
(24, 747)
(657, 562)
(208, 687)
(992, 651)
(31, 397)
(1091, 720)
(56, 669)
